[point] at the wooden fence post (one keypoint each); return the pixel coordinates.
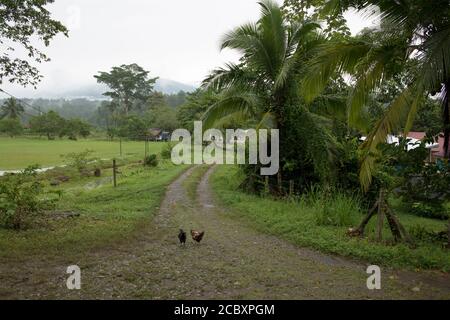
(266, 185)
(381, 209)
(280, 183)
(291, 188)
(114, 173)
(146, 148)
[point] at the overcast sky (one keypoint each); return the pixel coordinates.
(174, 39)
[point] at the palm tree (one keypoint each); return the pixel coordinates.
(262, 88)
(416, 32)
(11, 109)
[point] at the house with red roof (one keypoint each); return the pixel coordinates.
(437, 151)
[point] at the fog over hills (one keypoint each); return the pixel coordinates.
(91, 91)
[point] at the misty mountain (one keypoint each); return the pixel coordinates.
(170, 87)
(95, 91)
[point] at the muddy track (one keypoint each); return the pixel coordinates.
(233, 262)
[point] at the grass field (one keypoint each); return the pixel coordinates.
(107, 214)
(297, 222)
(18, 153)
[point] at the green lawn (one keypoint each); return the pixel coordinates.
(296, 221)
(107, 214)
(18, 153)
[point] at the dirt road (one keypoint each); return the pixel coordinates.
(233, 262)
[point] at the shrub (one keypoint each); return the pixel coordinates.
(22, 199)
(427, 191)
(420, 233)
(79, 160)
(429, 210)
(166, 152)
(151, 160)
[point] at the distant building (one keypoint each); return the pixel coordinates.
(156, 134)
(437, 151)
(415, 138)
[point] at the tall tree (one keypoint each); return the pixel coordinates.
(263, 89)
(11, 109)
(335, 25)
(21, 21)
(49, 124)
(11, 127)
(129, 84)
(195, 107)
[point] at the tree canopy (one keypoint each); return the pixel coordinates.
(11, 109)
(21, 21)
(129, 84)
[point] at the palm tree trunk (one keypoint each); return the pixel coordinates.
(446, 118)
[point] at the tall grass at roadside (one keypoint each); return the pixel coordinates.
(320, 220)
(332, 207)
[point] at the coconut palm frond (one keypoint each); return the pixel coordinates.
(333, 105)
(223, 78)
(374, 68)
(394, 116)
(435, 61)
(319, 149)
(232, 102)
(238, 117)
(299, 31)
(332, 58)
(267, 121)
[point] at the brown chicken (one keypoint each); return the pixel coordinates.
(197, 235)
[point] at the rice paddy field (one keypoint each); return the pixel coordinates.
(18, 153)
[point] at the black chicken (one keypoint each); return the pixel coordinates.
(182, 236)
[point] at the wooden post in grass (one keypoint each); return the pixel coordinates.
(114, 173)
(145, 148)
(266, 185)
(280, 183)
(291, 188)
(380, 216)
(397, 229)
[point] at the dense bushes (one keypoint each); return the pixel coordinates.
(52, 125)
(425, 189)
(427, 192)
(11, 127)
(22, 199)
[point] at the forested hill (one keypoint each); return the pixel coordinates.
(87, 109)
